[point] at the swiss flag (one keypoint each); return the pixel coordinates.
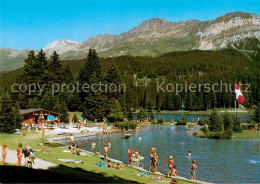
(239, 96)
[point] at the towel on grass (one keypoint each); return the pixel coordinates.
(72, 161)
(161, 181)
(142, 173)
(101, 164)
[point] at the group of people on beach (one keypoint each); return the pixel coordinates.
(27, 151)
(131, 154)
(154, 162)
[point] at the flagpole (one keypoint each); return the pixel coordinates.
(181, 109)
(235, 106)
(235, 111)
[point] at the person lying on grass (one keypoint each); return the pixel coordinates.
(79, 152)
(118, 166)
(110, 165)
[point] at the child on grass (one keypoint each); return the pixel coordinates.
(4, 153)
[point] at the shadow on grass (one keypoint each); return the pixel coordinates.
(60, 174)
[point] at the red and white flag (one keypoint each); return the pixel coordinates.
(239, 96)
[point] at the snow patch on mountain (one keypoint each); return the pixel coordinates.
(61, 46)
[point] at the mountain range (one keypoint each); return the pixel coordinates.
(237, 30)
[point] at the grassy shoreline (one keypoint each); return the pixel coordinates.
(245, 134)
(128, 174)
(244, 111)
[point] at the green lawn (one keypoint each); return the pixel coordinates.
(243, 135)
(88, 171)
(247, 135)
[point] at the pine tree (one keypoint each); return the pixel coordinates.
(55, 71)
(216, 122)
(35, 72)
(116, 113)
(152, 115)
(256, 113)
(10, 114)
(64, 112)
(48, 101)
(40, 68)
(213, 99)
(92, 66)
(237, 124)
(57, 107)
(130, 114)
(228, 126)
(93, 106)
(17, 116)
(33, 103)
(93, 102)
(112, 78)
(67, 76)
(142, 114)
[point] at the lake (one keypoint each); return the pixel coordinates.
(219, 161)
(190, 117)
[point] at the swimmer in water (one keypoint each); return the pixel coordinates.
(189, 154)
(93, 144)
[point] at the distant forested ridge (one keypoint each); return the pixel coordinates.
(141, 74)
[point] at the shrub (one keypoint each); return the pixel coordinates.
(160, 120)
(126, 125)
(215, 135)
(183, 121)
(203, 129)
(203, 122)
(237, 124)
(216, 121)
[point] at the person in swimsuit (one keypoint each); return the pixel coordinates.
(109, 144)
(193, 170)
(106, 150)
(130, 153)
(109, 164)
(72, 144)
(93, 144)
(189, 154)
(174, 181)
(152, 150)
(118, 166)
(170, 165)
(97, 153)
(19, 154)
(155, 162)
(4, 153)
(174, 171)
(136, 154)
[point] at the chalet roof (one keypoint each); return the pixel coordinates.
(26, 111)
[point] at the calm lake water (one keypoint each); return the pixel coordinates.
(219, 161)
(190, 117)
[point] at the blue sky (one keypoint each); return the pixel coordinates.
(34, 24)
